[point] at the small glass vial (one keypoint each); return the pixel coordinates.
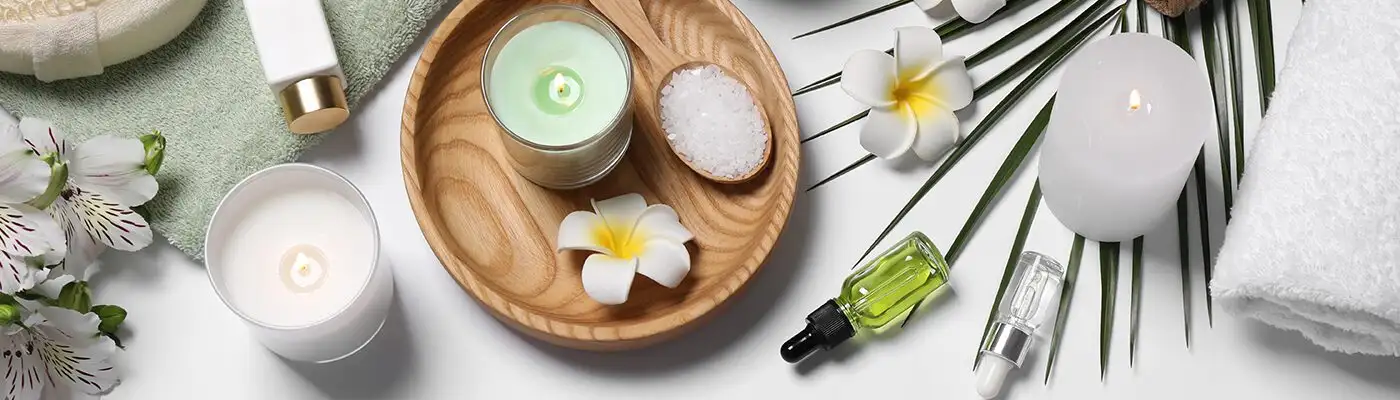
(873, 296)
(1029, 301)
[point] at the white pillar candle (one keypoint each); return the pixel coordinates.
(1131, 115)
(294, 251)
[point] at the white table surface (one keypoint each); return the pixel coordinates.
(439, 344)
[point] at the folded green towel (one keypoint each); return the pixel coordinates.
(205, 91)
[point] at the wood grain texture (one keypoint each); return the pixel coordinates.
(494, 231)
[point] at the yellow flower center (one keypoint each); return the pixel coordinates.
(916, 96)
(623, 241)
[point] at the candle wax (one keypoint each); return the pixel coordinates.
(297, 257)
(557, 83)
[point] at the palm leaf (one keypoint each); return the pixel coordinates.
(1026, 30)
(1108, 276)
(952, 29)
(1076, 254)
(1213, 57)
(892, 5)
(1261, 21)
(993, 117)
(1137, 300)
(1027, 218)
(1008, 169)
(1056, 48)
(863, 159)
(1203, 209)
(1177, 32)
(1232, 22)
(1184, 246)
(1141, 16)
(838, 125)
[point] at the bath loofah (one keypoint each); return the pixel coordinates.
(1173, 8)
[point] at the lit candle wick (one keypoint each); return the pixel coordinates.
(1134, 100)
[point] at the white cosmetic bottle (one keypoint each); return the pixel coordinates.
(298, 58)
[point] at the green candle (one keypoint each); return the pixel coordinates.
(557, 83)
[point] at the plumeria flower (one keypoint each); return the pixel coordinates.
(974, 11)
(28, 236)
(54, 348)
(107, 176)
(911, 95)
(630, 238)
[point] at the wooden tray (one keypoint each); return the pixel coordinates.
(494, 231)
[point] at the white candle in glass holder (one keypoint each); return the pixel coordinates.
(294, 251)
(1131, 114)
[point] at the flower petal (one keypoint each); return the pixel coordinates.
(976, 11)
(948, 85)
(109, 223)
(621, 213)
(660, 220)
(25, 231)
(114, 166)
(607, 279)
(16, 274)
(917, 51)
(869, 77)
(578, 231)
(73, 352)
(665, 262)
(888, 134)
(938, 131)
(25, 377)
(53, 287)
(43, 138)
(23, 176)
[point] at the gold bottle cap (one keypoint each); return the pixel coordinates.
(313, 105)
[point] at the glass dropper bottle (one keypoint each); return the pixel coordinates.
(873, 296)
(1029, 301)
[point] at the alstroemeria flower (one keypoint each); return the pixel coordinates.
(27, 235)
(55, 346)
(630, 238)
(911, 95)
(107, 176)
(974, 11)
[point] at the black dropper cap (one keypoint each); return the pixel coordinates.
(826, 328)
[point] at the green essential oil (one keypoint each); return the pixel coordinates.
(874, 296)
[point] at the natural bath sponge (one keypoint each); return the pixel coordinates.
(1173, 8)
(65, 39)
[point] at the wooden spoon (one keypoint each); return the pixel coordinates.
(631, 19)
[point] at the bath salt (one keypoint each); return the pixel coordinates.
(711, 120)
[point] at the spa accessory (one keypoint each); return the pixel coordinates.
(294, 251)
(557, 80)
(629, 238)
(298, 58)
(629, 16)
(1314, 245)
(511, 220)
(1028, 304)
(712, 122)
(974, 11)
(912, 95)
(1130, 117)
(65, 39)
(873, 296)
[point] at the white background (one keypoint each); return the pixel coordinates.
(182, 343)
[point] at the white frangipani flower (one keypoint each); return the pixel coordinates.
(28, 237)
(107, 176)
(630, 238)
(911, 95)
(55, 348)
(974, 11)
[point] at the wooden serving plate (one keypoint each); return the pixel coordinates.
(494, 231)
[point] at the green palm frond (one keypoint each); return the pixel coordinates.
(1203, 210)
(1108, 297)
(1261, 19)
(1027, 219)
(1008, 168)
(1232, 36)
(1076, 255)
(1213, 57)
(1141, 16)
(1137, 301)
(877, 10)
(1184, 246)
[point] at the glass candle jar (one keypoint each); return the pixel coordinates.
(557, 80)
(294, 251)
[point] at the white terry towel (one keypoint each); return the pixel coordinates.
(1315, 241)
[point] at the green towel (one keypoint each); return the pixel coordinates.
(205, 91)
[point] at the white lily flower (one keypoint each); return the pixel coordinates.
(911, 95)
(974, 11)
(630, 238)
(106, 178)
(56, 348)
(25, 231)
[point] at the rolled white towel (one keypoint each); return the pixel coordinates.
(1314, 245)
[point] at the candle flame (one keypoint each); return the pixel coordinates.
(1134, 100)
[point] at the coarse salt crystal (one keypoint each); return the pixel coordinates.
(711, 120)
